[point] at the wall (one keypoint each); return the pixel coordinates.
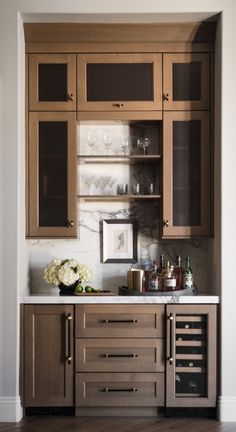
(13, 255)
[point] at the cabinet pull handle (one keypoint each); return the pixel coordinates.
(170, 339)
(70, 224)
(133, 355)
(118, 105)
(166, 222)
(107, 390)
(70, 97)
(68, 338)
(107, 321)
(166, 96)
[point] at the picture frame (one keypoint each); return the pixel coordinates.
(119, 241)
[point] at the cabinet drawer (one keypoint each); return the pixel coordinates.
(119, 389)
(116, 321)
(122, 355)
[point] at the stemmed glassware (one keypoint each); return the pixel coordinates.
(91, 139)
(125, 144)
(107, 141)
(143, 143)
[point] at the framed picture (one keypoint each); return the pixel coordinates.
(119, 241)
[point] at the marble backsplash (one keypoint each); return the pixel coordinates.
(87, 249)
(103, 179)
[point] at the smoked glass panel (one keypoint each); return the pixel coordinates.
(190, 356)
(187, 81)
(119, 82)
(52, 174)
(187, 173)
(52, 82)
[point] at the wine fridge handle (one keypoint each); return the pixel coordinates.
(170, 347)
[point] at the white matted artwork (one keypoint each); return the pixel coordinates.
(119, 241)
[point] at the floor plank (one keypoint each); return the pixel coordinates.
(108, 424)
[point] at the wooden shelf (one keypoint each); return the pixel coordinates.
(118, 197)
(131, 159)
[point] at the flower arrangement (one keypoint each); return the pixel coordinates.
(66, 272)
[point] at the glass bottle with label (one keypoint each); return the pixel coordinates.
(188, 274)
(169, 278)
(154, 279)
(179, 273)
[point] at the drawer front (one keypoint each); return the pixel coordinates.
(119, 355)
(118, 321)
(119, 389)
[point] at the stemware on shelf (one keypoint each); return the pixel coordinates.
(107, 140)
(143, 143)
(91, 139)
(125, 144)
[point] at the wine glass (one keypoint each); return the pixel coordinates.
(107, 140)
(143, 143)
(125, 144)
(91, 139)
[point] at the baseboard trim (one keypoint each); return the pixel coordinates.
(226, 409)
(10, 409)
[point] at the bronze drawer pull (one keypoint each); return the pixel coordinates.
(118, 105)
(120, 355)
(68, 338)
(107, 321)
(107, 390)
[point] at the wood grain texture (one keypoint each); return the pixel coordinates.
(48, 377)
(120, 32)
(118, 424)
(146, 321)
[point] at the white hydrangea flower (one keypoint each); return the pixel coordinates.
(66, 272)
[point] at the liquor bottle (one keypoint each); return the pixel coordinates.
(179, 273)
(169, 278)
(154, 279)
(160, 270)
(188, 274)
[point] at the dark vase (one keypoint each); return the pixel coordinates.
(67, 290)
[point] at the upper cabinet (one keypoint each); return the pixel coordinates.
(119, 82)
(186, 174)
(186, 81)
(52, 82)
(52, 175)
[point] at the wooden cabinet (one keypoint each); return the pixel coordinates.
(186, 81)
(52, 82)
(48, 355)
(52, 175)
(119, 82)
(186, 174)
(191, 356)
(119, 356)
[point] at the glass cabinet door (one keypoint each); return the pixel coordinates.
(119, 82)
(52, 82)
(186, 174)
(52, 175)
(191, 355)
(186, 81)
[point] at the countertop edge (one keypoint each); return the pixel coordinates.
(44, 299)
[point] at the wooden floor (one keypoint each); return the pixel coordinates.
(85, 424)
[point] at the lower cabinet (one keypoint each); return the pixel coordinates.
(48, 355)
(121, 356)
(191, 356)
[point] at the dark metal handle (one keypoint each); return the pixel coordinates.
(70, 97)
(118, 105)
(68, 338)
(107, 321)
(70, 224)
(165, 96)
(172, 339)
(107, 390)
(120, 355)
(166, 222)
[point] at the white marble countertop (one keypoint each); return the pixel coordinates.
(93, 299)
